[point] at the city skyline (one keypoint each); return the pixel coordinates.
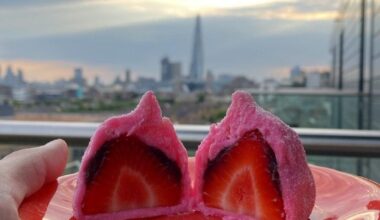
(254, 40)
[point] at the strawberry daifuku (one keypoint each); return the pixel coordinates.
(251, 165)
(134, 167)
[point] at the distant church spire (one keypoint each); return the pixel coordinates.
(196, 68)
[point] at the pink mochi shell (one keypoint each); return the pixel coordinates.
(296, 181)
(147, 123)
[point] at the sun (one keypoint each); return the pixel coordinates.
(189, 7)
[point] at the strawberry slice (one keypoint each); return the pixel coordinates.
(243, 179)
(127, 174)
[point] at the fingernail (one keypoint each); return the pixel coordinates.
(56, 142)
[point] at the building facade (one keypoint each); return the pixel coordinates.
(355, 49)
(170, 71)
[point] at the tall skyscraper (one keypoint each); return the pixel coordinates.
(170, 70)
(165, 70)
(78, 77)
(10, 78)
(20, 76)
(196, 67)
(128, 76)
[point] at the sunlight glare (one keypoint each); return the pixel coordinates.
(207, 4)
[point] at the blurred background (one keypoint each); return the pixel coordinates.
(65, 66)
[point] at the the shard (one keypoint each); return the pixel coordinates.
(196, 68)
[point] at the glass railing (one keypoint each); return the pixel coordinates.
(323, 108)
(352, 151)
(355, 151)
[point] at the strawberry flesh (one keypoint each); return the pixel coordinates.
(243, 179)
(127, 174)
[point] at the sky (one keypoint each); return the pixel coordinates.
(47, 39)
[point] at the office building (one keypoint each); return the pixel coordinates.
(78, 77)
(355, 49)
(196, 66)
(170, 71)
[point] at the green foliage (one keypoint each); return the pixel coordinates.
(78, 106)
(201, 97)
(216, 115)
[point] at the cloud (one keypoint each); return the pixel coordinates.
(288, 10)
(71, 17)
(57, 17)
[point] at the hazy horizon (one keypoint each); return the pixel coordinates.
(259, 39)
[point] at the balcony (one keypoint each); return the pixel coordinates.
(353, 151)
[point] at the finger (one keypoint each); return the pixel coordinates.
(26, 171)
(8, 208)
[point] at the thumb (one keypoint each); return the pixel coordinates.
(24, 172)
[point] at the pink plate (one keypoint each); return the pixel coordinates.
(339, 196)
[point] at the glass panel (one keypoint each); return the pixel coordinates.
(363, 166)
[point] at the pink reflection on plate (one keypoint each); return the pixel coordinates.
(339, 196)
(344, 196)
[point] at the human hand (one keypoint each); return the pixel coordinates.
(25, 171)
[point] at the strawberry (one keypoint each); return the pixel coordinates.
(127, 174)
(243, 179)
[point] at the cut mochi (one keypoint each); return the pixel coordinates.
(251, 165)
(134, 167)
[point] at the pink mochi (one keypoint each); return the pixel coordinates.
(145, 122)
(244, 115)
